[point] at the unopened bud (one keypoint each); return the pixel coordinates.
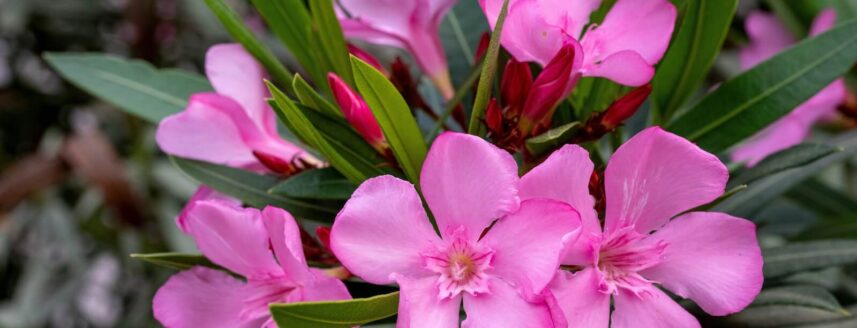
(515, 85)
(357, 112)
(625, 107)
(551, 86)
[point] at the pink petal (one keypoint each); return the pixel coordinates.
(201, 297)
(419, 305)
(570, 16)
(823, 22)
(206, 131)
(625, 67)
(233, 237)
(564, 176)
(235, 73)
(324, 288)
(201, 193)
(528, 243)
(778, 136)
(578, 295)
(712, 258)
(643, 27)
(656, 175)
(504, 307)
(526, 33)
(768, 36)
(285, 237)
(468, 182)
(381, 230)
(650, 309)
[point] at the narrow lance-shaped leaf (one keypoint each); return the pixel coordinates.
(335, 314)
(239, 30)
(178, 261)
(325, 183)
(697, 41)
(751, 101)
(131, 85)
(330, 41)
(797, 257)
(307, 95)
(250, 188)
(486, 78)
(393, 115)
(790, 306)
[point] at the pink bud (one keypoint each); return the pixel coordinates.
(551, 86)
(368, 58)
(357, 113)
(494, 116)
(515, 85)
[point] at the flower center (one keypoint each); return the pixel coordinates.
(461, 266)
(623, 254)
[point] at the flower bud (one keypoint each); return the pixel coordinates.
(357, 112)
(368, 58)
(625, 107)
(482, 47)
(494, 117)
(515, 85)
(551, 86)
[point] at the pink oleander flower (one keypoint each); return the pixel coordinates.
(357, 113)
(411, 25)
(712, 258)
(768, 36)
(551, 87)
(624, 48)
(264, 247)
(384, 236)
(233, 126)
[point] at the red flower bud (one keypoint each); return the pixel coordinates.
(482, 47)
(494, 116)
(515, 85)
(280, 165)
(323, 234)
(368, 58)
(551, 86)
(357, 113)
(625, 107)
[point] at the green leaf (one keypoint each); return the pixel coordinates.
(799, 295)
(696, 43)
(307, 95)
(824, 200)
(744, 105)
(393, 115)
(131, 85)
(791, 157)
(178, 261)
(335, 314)
(291, 23)
(336, 141)
(250, 188)
(760, 191)
(325, 183)
(486, 79)
(552, 139)
(330, 41)
(803, 256)
(460, 33)
(789, 305)
(234, 24)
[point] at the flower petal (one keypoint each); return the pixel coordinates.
(528, 243)
(823, 22)
(233, 237)
(570, 16)
(206, 131)
(468, 182)
(419, 305)
(285, 235)
(644, 27)
(782, 134)
(381, 230)
(579, 298)
(649, 309)
(768, 36)
(656, 175)
(236, 74)
(201, 193)
(712, 258)
(526, 34)
(504, 307)
(324, 288)
(201, 297)
(625, 67)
